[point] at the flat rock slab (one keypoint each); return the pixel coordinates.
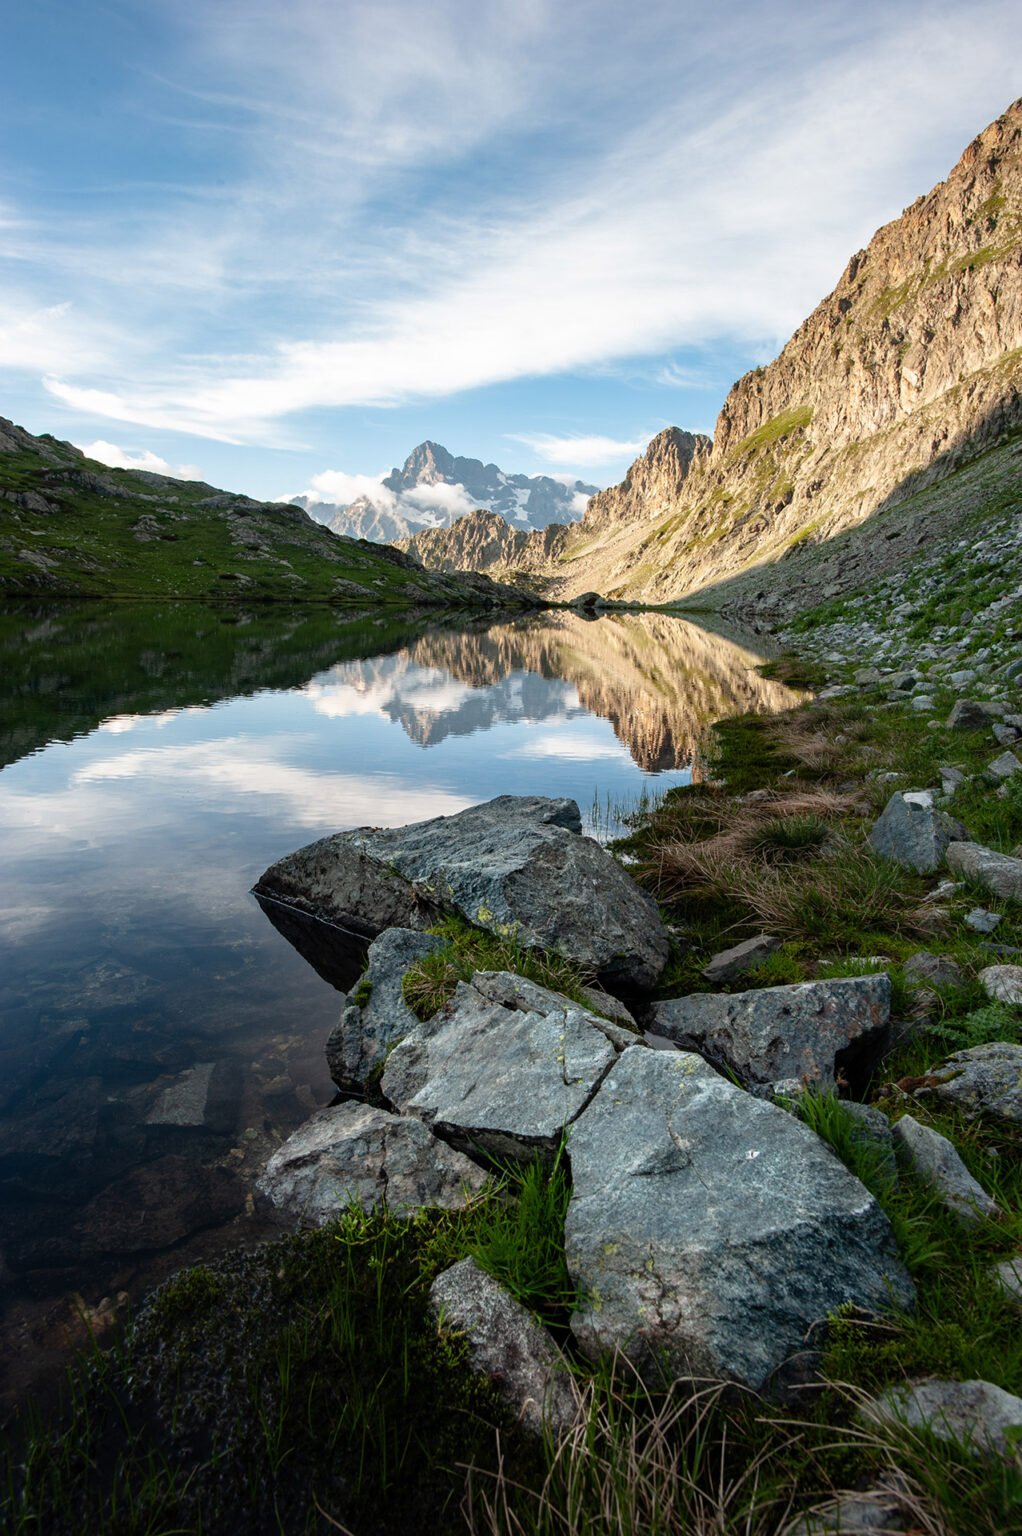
(1003, 984)
(507, 1345)
(711, 1232)
(913, 833)
(742, 958)
(997, 872)
(776, 1034)
(503, 1067)
(367, 1029)
(517, 865)
(983, 1081)
(353, 1152)
(935, 1162)
(975, 1414)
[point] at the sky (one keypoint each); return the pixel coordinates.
(276, 246)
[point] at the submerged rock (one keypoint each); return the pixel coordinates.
(503, 1067)
(777, 1034)
(517, 866)
(506, 1345)
(353, 1152)
(710, 1233)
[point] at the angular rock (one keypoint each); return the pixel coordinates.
(1003, 984)
(969, 715)
(951, 779)
(1008, 1277)
(998, 872)
(503, 1067)
(367, 1030)
(913, 833)
(353, 1152)
(975, 1414)
(929, 970)
(981, 921)
(610, 1007)
(742, 958)
(984, 1081)
(517, 865)
(711, 1232)
(506, 1345)
(873, 1128)
(934, 1161)
(1005, 766)
(803, 1032)
(1005, 736)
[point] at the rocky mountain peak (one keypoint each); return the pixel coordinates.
(427, 464)
(654, 481)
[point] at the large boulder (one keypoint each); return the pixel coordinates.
(997, 872)
(503, 1067)
(375, 1016)
(517, 865)
(353, 1152)
(777, 1034)
(710, 1232)
(506, 1345)
(913, 833)
(984, 1081)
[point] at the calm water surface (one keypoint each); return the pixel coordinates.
(157, 1036)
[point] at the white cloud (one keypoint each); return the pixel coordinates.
(585, 451)
(453, 500)
(127, 458)
(335, 487)
(697, 183)
(37, 339)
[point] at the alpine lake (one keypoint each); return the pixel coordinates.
(158, 1037)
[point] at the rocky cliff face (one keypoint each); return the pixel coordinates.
(903, 374)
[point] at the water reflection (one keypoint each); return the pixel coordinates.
(157, 1037)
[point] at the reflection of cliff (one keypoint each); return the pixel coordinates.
(659, 681)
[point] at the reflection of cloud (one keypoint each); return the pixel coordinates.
(420, 688)
(571, 744)
(119, 725)
(310, 799)
(19, 924)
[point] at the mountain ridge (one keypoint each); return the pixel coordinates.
(908, 370)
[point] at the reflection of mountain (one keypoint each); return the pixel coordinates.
(659, 681)
(64, 668)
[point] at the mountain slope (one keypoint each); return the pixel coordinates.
(434, 488)
(905, 373)
(71, 527)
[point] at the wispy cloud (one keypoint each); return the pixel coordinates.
(581, 451)
(418, 207)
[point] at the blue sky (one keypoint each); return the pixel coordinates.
(272, 244)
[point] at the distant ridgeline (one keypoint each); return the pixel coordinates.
(904, 374)
(434, 488)
(70, 527)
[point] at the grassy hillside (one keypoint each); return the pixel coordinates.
(72, 527)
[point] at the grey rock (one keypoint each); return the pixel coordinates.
(503, 1067)
(1003, 984)
(1005, 766)
(998, 872)
(353, 1152)
(366, 1032)
(610, 1007)
(742, 958)
(976, 1414)
(984, 1081)
(709, 1231)
(771, 1033)
(951, 779)
(873, 1128)
(1013, 671)
(926, 969)
(969, 715)
(1008, 1277)
(962, 678)
(506, 1345)
(868, 675)
(1005, 735)
(517, 864)
(934, 1161)
(876, 1512)
(913, 833)
(982, 921)
(184, 1101)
